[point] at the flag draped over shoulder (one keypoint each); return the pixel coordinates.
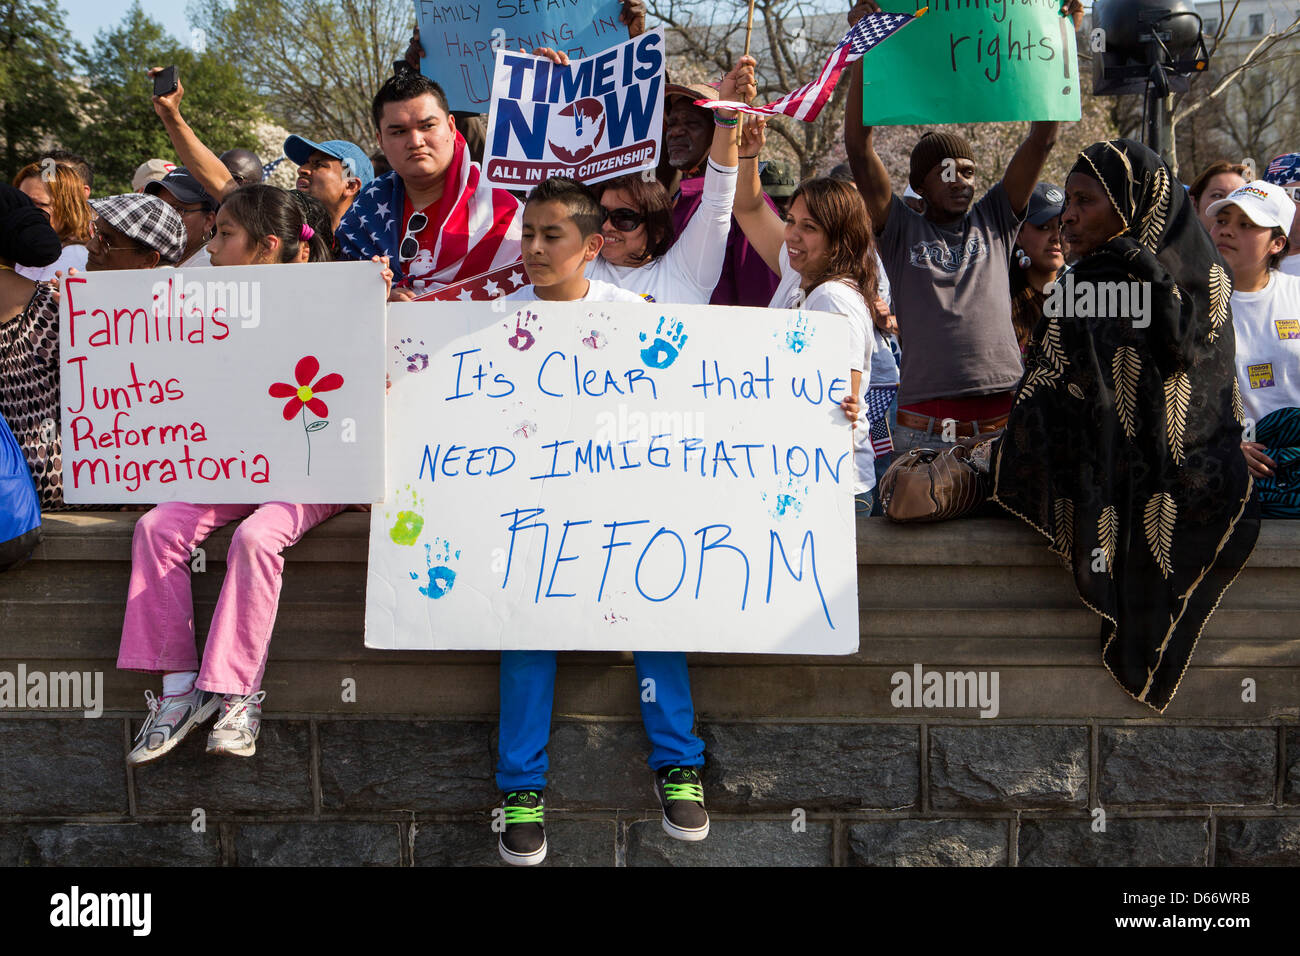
(807, 101)
(479, 227)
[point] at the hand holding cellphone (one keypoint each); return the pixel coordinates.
(165, 81)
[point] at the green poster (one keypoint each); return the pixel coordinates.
(973, 61)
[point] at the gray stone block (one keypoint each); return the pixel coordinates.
(1021, 767)
(62, 766)
(108, 844)
(275, 779)
(318, 844)
(569, 843)
(369, 765)
(1125, 842)
(929, 843)
(1291, 786)
(1186, 765)
(1258, 841)
(757, 767)
(731, 843)
(599, 766)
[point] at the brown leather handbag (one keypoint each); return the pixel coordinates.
(936, 484)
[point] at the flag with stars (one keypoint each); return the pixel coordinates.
(489, 285)
(1284, 170)
(478, 232)
(879, 398)
(807, 101)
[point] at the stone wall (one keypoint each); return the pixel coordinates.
(809, 761)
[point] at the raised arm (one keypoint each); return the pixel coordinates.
(1026, 166)
(869, 172)
(202, 162)
(738, 85)
(764, 229)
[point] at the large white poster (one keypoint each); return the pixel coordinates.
(615, 476)
(224, 385)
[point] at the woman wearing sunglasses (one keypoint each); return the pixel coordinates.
(639, 253)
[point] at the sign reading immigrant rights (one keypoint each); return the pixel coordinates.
(593, 119)
(579, 476)
(460, 40)
(984, 61)
(223, 385)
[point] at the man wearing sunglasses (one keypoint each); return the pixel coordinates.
(434, 216)
(198, 210)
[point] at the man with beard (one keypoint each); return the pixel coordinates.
(688, 134)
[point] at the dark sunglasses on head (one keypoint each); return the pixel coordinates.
(624, 219)
(410, 247)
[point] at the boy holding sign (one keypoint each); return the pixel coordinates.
(562, 235)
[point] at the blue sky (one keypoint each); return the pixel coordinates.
(85, 18)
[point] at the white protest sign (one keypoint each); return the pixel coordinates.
(607, 476)
(593, 119)
(224, 385)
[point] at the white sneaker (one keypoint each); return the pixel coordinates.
(235, 732)
(169, 720)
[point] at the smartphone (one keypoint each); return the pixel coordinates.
(165, 82)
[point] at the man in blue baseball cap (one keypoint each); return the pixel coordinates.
(333, 171)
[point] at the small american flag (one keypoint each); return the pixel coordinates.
(879, 398)
(807, 101)
(1284, 170)
(489, 285)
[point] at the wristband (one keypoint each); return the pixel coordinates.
(724, 122)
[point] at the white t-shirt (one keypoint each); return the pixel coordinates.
(201, 257)
(73, 256)
(687, 273)
(1267, 326)
(843, 299)
(1290, 265)
(598, 292)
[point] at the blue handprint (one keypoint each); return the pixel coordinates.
(668, 343)
(441, 577)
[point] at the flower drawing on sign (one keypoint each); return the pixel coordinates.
(302, 396)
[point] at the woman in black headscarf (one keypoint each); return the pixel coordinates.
(1123, 446)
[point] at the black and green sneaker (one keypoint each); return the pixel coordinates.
(523, 841)
(681, 794)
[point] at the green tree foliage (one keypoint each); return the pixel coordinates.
(121, 129)
(318, 63)
(37, 94)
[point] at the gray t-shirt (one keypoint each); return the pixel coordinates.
(952, 297)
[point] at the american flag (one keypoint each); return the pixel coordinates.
(479, 227)
(489, 285)
(1284, 170)
(879, 398)
(807, 101)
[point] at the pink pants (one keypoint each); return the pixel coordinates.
(158, 632)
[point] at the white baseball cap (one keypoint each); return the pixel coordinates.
(1263, 203)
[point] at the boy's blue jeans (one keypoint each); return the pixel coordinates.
(528, 691)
